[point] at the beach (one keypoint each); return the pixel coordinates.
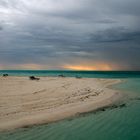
(25, 102)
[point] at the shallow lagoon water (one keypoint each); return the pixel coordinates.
(112, 124)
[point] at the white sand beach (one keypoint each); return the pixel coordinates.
(25, 102)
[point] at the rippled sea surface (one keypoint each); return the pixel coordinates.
(112, 124)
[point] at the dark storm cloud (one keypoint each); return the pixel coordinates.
(1, 28)
(115, 35)
(56, 32)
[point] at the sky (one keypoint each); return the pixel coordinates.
(70, 34)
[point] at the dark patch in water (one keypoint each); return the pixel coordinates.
(137, 99)
(102, 109)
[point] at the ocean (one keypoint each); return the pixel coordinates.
(112, 124)
(68, 73)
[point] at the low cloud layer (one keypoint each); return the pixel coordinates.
(55, 34)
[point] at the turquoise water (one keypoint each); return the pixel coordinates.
(112, 124)
(89, 74)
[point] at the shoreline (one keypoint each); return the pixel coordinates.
(27, 103)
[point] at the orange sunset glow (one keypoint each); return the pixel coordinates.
(88, 67)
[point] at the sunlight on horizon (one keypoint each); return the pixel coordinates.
(87, 67)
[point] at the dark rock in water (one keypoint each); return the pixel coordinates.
(61, 75)
(122, 105)
(118, 106)
(78, 77)
(26, 126)
(102, 109)
(113, 106)
(34, 78)
(5, 75)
